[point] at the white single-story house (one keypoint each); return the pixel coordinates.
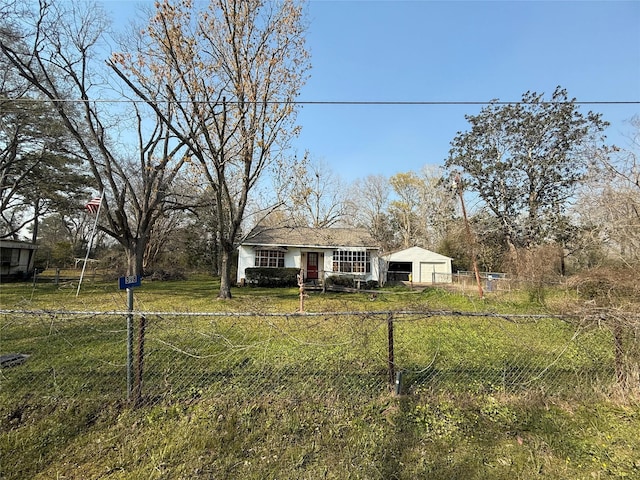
(318, 252)
(418, 265)
(16, 258)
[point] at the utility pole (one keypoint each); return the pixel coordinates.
(470, 238)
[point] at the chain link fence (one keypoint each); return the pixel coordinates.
(154, 357)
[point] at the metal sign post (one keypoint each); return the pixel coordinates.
(129, 343)
(128, 283)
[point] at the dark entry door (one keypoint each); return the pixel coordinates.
(312, 265)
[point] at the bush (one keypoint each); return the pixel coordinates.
(349, 282)
(340, 281)
(371, 285)
(608, 287)
(272, 277)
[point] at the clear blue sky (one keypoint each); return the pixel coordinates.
(454, 51)
(475, 51)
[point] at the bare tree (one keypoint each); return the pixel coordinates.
(368, 207)
(58, 54)
(317, 197)
(610, 201)
(436, 209)
(230, 72)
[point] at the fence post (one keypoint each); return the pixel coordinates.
(618, 346)
(140, 362)
(301, 288)
(129, 342)
(391, 361)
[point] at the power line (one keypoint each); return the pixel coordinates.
(343, 102)
(463, 102)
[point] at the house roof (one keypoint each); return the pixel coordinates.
(311, 237)
(414, 253)
(5, 243)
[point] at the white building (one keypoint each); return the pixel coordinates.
(418, 265)
(16, 258)
(318, 252)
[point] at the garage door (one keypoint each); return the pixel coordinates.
(429, 272)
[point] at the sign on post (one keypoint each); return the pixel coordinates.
(130, 281)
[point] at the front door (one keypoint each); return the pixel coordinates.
(312, 265)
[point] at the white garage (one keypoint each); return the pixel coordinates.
(418, 265)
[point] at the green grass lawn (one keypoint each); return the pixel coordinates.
(278, 395)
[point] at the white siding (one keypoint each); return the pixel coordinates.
(292, 258)
(426, 265)
(246, 259)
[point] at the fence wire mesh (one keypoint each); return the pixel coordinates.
(182, 357)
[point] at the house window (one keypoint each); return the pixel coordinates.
(269, 258)
(351, 262)
(5, 257)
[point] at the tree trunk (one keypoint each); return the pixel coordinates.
(215, 255)
(513, 257)
(134, 253)
(34, 236)
(131, 260)
(225, 271)
(139, 261)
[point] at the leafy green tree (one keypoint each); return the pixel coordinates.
(420, 207)
(490, 246)
(57, 185)
(38, 173)
(524, 161)
(404, 208)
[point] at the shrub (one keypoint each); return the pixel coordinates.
(349, 282)
(340, 281)
(272, 277)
